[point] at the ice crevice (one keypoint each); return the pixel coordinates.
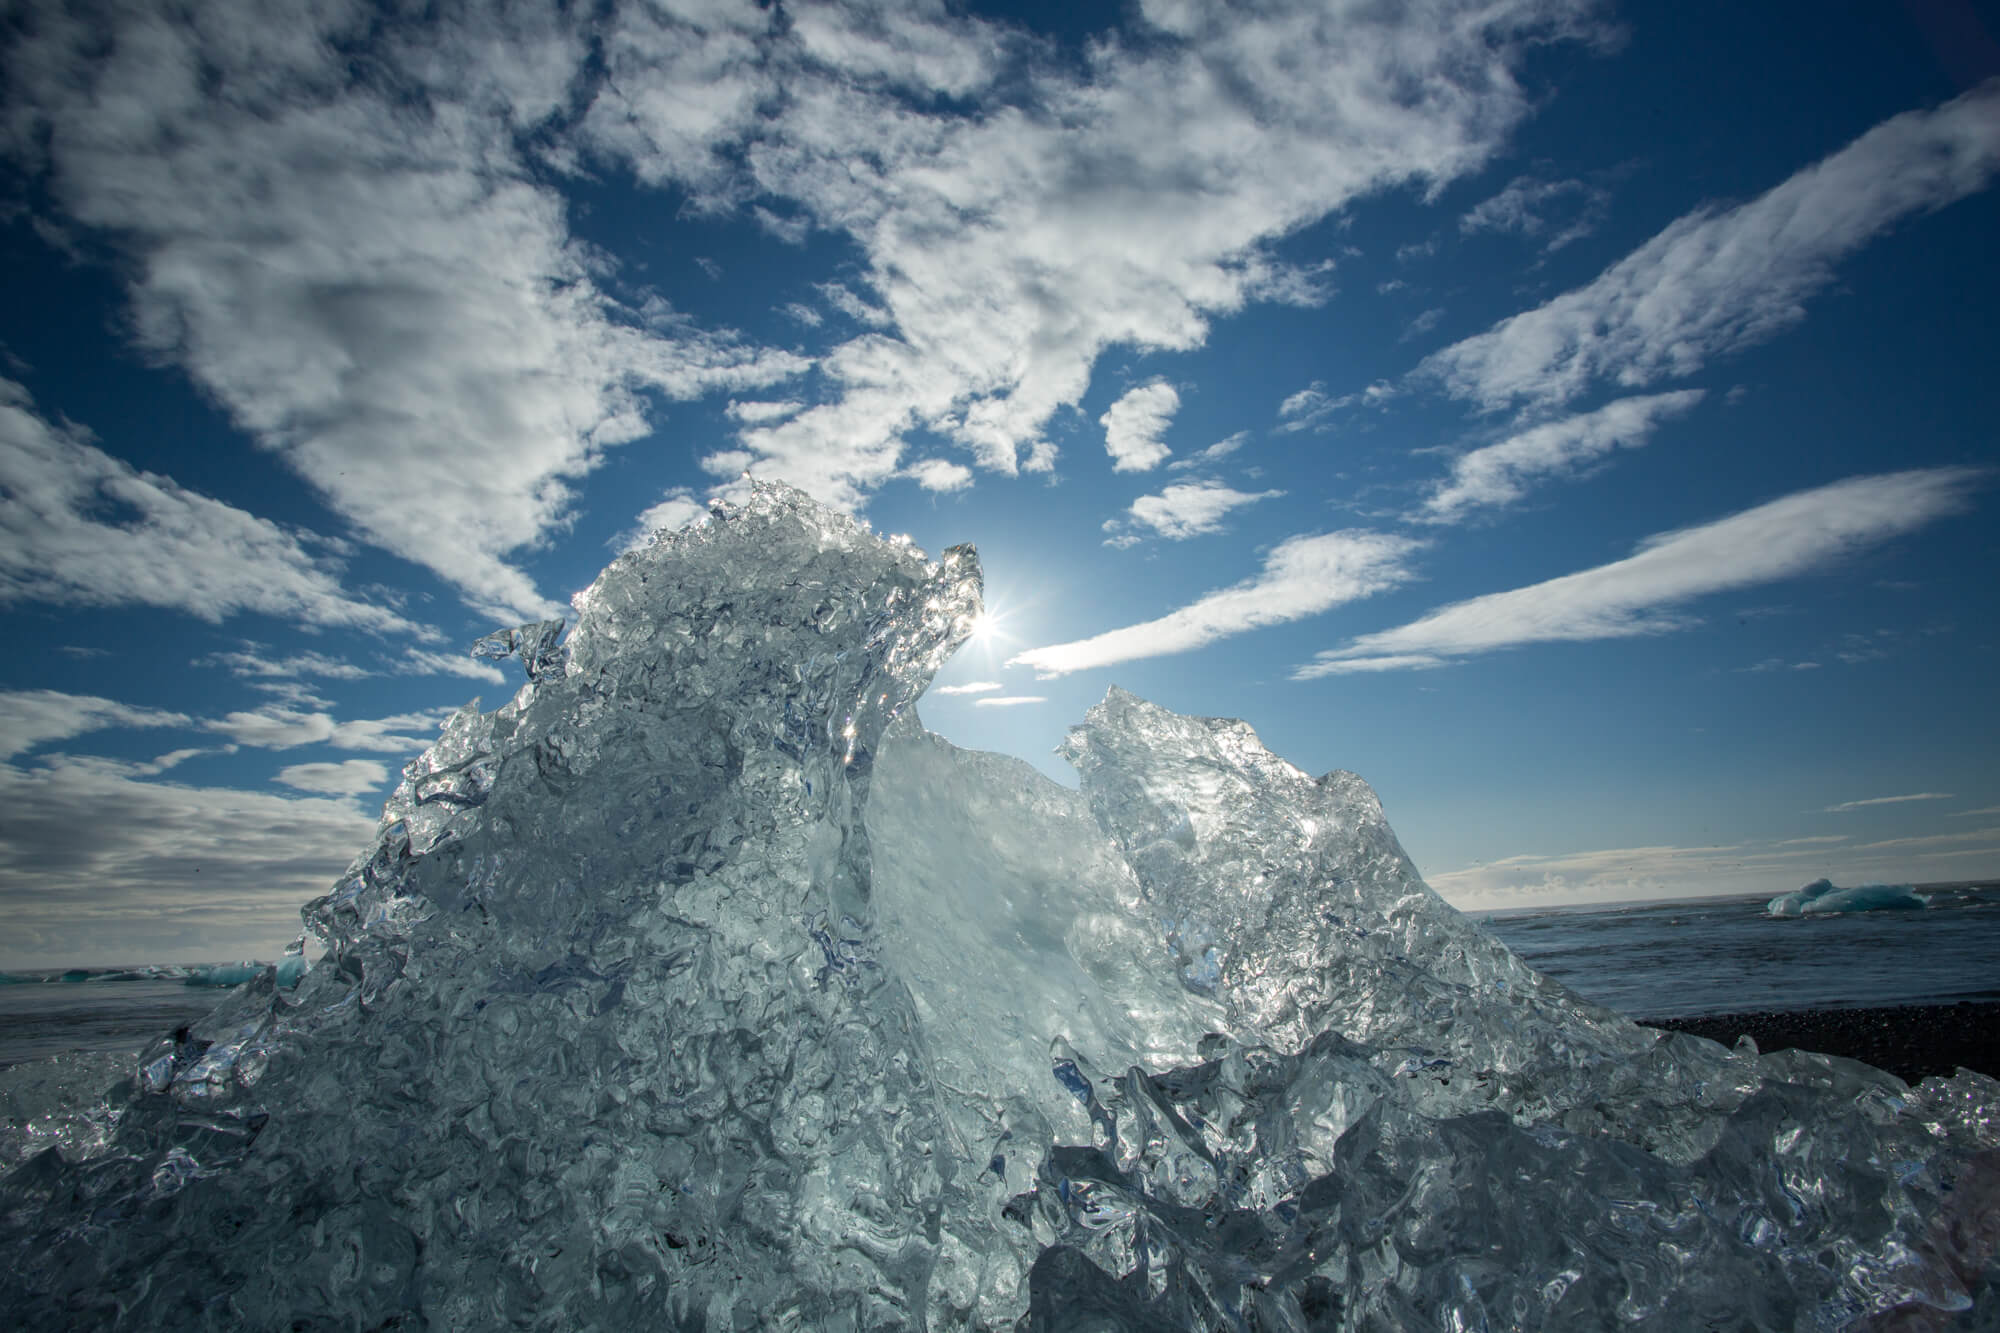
(698, 986)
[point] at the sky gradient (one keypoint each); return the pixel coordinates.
(1576, 419)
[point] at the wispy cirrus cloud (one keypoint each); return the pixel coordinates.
(1845, 806)
(1312, 408)
(1644, 593)
(1302, 576)
(1530, 206)
(1215, 453)
(1501, 473)
(277, 674)
(1718, 280)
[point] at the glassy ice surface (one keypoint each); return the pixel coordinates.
(699, 987)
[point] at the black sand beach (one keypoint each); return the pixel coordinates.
(1910, 1041)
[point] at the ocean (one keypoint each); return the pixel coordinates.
(1683, 959)
(60, 1011)
(1669, 959)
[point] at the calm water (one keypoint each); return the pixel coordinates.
(1724, 955)
(55, 1017)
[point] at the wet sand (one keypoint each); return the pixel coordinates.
(1910, 1041)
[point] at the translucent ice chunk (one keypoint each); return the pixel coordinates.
(698, 987)
(539, 646)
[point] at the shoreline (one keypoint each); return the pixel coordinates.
(1912, 1041)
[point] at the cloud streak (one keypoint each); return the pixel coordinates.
(30, 718)
(1192, 509)
(1302, 576)
(1718, 280)
(1502, 473)
(1888, 800)
(1642, 593)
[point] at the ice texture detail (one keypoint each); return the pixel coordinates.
(698, 986)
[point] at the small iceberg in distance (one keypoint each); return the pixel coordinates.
(1821, 898)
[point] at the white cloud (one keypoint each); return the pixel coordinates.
(1523, 208)
(1640, 594)
(970, 687)
(167, 872)
(415, 662)
(349, 777)
(847, 303)
(1302, 576)
(675, 510)
(272, 674)
(285, 728)
(1216, 452)
(804, 314)
(1009, 242)
(29, 718)
(1009, 701)
(363, 271)
(1305, 408)
(1888, 800)
(1718, 280)
(1133, 426)
(81, 528)
(1501, 473)
(1192, 509)
(938, 474)
(1422, 324)
(249, 663)
(758, 413)
(1312, 408)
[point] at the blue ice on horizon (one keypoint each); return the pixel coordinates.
(1822, 898)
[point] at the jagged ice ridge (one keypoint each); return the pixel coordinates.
(699, 987)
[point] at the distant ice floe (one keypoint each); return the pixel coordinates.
(1821, 898)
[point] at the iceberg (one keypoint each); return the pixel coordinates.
(1821, 898)
(698, 986)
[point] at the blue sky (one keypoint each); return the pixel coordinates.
(1578, 420)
